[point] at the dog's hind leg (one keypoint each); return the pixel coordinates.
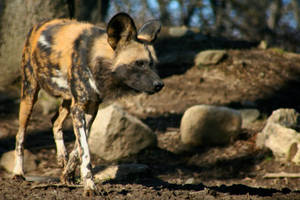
(58, 120)
(29, 93)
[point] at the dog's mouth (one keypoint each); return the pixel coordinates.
(150, 92)
(139, 91)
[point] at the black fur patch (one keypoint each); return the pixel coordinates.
(27, 37)
(48, 36)
(81, 73)
(27, 72)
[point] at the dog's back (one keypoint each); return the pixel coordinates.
(50, 49)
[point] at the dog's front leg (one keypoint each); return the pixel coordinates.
(79, 124)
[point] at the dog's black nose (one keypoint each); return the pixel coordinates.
(158, 85)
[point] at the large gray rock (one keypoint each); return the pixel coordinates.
(7, 161)
(280, 136)
(209, 125)
(116, 134)
(209, 57)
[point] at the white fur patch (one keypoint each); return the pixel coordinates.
(60, 147)
(43, 41)
(85, 159)
(60, 82)
(18, 169)
(19, 153)
(93, 85)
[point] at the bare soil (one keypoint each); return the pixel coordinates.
(262, 79)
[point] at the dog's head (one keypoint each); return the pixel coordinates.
(135, 58)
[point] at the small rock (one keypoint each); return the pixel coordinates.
(178, 31)
(263, 45)
(7, 161)
(209, 57)
(209, 125)
(119, 172)
(190, 181)
(115, 134)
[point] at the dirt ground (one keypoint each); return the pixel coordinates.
(252, 78)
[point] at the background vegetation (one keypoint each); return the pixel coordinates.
(274, 21)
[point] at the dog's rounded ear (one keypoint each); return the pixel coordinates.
(149, 31)
(120, 30)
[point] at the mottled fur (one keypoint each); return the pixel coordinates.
(84, 65)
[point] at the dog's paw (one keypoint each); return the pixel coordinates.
(68, 179)
(88, 192)
(18, 177)
(62, 161)
(90, 188)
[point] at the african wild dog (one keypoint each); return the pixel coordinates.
(84, 65)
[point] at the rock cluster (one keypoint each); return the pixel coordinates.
(280, 135)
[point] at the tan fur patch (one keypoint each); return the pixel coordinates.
(37, 33)
(64, 41)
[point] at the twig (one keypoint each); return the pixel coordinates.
(282, 175)
(55, 185)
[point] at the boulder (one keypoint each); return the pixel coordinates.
(280, 136)
(209, 57)
(115, 134)
(205, 125)
(249, 115)
(7, 161)
(119, 172)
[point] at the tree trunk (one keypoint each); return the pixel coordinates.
(219, 7)
(93, 11)
(275, 14)
(164, 15)
(296, 10)
(17, 17)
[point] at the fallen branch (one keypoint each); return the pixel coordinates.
(282, 175)
(55, 185)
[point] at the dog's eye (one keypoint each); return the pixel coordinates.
(140, 63)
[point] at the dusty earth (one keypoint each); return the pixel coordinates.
(251, 78)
